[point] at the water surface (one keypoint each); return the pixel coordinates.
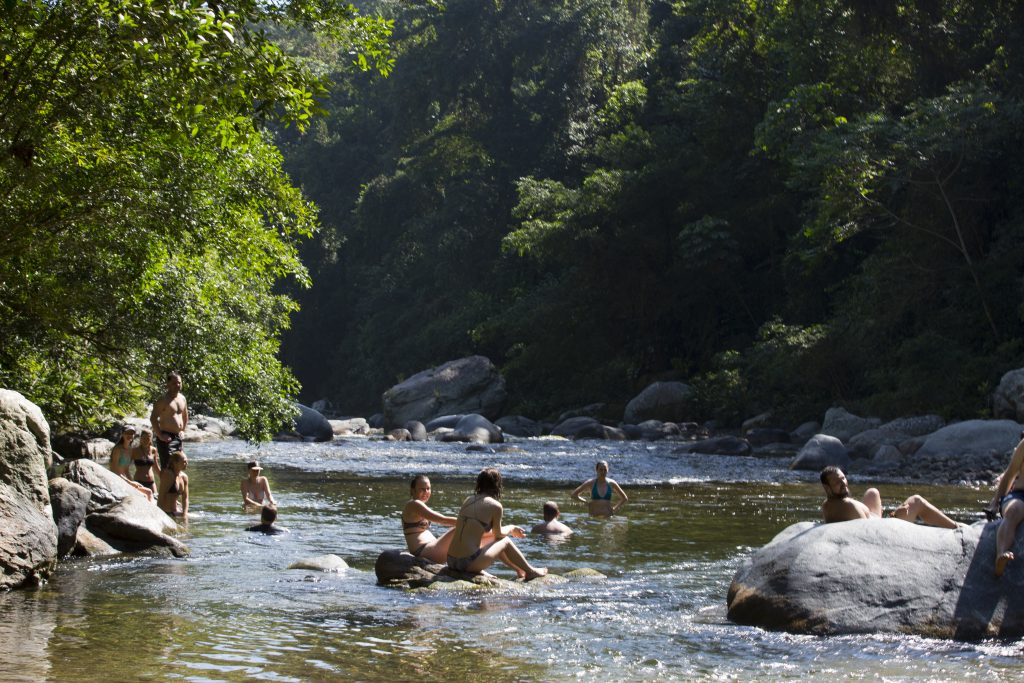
(232, 611)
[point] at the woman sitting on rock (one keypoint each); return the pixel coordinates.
(416, 519)
(174, 486)
(121, 458)
(481, 513)
(601, 488)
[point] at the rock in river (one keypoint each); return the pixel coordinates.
(881, 575)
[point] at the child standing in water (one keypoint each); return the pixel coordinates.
(601, 488)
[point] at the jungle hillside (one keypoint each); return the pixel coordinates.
(788, 205)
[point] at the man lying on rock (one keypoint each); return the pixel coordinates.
(839, 507)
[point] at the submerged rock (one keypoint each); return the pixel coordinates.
(400, 569)
(322, 563)
(881, 575)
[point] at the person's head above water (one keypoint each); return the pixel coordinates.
(550, 510)
(420, 487)
(488, 482)
(128, 431)
(601, 467)
(268, 515)
(254, 467)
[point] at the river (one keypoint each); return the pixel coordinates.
(232, 611)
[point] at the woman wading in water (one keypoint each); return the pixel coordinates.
(416, 519)
(601, 488)
(480, 514)
(174, 486)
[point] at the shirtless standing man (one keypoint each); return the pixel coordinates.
(169, 419)
(839, 507)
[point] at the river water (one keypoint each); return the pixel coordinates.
(232, 611)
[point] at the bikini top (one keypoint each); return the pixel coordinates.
(486, 525)
(143, 462)
(415, 527)
(607, 492)
(123, 457)
(173, 488)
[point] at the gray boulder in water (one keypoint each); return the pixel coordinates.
(466, 385)
(972, 437)
(28, 534)
(587, 428)
(665, 401)
(820, 451)
(881, 575)
(120, 515)
(475, 428)
(312, 425)
(70, 503)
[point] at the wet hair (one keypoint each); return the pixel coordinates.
(602, 463)
(418, 479)
(172, 375)
(828, 472)
(550, 510)
(489, 482)
(268, 514)
(176, 456)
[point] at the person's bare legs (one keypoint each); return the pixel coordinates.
(1013, 513)
(516, 560)
(918, 508)
(873, 499)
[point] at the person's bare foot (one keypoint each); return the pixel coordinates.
(1001, 563)
(536, 574)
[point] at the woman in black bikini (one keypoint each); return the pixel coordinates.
(416, 519)
(480, 514)
(147, 466)
(174, 486)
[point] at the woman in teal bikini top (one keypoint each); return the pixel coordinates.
(601, 488)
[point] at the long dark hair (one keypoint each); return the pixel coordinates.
(488, 482)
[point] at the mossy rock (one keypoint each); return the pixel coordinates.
(584, 574)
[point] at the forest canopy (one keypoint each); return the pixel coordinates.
(786, 204)
(144, 213)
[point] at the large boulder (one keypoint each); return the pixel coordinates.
(918, 425)
(467, 385)
(120, 515)
(844, 425)
(819, 452)
(517, 425)
(972, 438)
(867, 443)
(70, 504)
(1008, 398)
(105, 488)
(587, 428)
(350, 425)
(28, 534)
(312, 425)
(665, 401)
(717, 445)
(881, 575)
(135, 523)
(474, 428)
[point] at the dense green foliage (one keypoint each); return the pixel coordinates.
(144, 215)
(788, 204)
